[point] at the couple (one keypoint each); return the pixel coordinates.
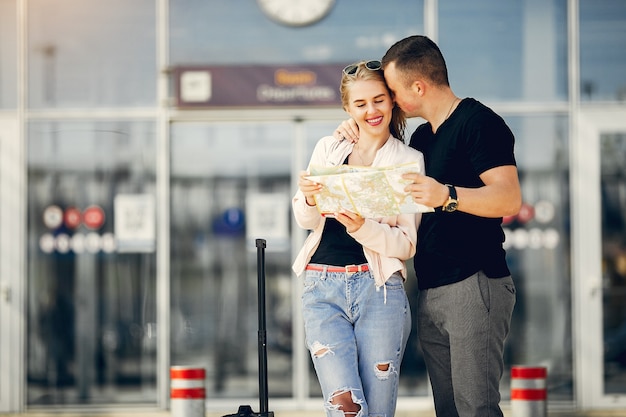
(355, 309)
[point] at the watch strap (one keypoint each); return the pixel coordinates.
(452, 191)
(451, 204)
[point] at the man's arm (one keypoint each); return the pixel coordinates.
(500, 196)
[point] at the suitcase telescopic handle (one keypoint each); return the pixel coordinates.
(263, 394)
(246, 410)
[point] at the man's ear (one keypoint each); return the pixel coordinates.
(418, 87)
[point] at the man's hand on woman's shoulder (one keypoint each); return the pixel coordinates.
(347, 130)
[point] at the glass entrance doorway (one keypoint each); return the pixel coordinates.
(600, 257)
(91, 313)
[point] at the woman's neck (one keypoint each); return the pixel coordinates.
(365, 149)
(373, 143)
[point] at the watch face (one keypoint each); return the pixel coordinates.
(296, 12)
(451, 206)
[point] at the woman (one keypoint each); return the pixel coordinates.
(356, 332)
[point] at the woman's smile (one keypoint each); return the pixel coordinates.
(375, 121)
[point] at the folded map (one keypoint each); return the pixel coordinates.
(370, 192)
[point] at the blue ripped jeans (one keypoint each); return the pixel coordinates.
(356, 335)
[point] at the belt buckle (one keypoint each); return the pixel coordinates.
(358, 269)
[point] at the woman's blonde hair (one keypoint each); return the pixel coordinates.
(358, 72)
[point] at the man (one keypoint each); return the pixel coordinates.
(466, 292)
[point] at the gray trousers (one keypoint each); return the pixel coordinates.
(462, 328)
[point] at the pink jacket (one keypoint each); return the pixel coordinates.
(388, 241)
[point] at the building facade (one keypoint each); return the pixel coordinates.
(146, 144)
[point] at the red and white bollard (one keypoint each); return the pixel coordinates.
(187, 392)
(529, 393)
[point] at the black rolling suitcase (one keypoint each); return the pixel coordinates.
(246, 410)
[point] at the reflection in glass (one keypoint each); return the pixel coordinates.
(91, 314)
(505, 51)
(8, 54)
(230, 184)
(347, 34)
(613, 189)
(602, 46)
(91, 54)
(538, 247)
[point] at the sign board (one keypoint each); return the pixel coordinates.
(93, 217)
(53, 216)
(134, 222)
(267, 217)
(258, 85)
(72, 217)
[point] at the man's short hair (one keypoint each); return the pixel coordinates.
(418, 56)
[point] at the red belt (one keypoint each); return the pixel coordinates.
(347, 269)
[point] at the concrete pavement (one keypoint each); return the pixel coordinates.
(603, 413)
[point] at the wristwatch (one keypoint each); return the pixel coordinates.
(452, 203)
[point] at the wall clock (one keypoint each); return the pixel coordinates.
(296, 12)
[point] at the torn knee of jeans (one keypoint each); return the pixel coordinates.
(320, 350)
(350, 404)
(383, 370)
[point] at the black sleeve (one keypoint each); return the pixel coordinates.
(490, 142)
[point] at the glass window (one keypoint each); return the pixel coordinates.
(538, 249)
(91, 53)
(505, 50)
(230, 184)
(91, 313)
(613, 199)
(348, 33)
(8, 54)
(602, 46)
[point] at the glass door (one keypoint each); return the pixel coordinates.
(600, 255)
(91, 264)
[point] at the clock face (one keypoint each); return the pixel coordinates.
(296, 12)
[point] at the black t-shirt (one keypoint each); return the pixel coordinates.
(337, 247)
(453, 246)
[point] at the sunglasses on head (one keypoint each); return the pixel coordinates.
(373, 65)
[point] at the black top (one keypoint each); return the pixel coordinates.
(337, 247)
(454, 246)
